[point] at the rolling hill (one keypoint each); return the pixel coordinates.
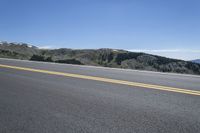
(98, 57)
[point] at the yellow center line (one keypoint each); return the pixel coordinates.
(108, 80)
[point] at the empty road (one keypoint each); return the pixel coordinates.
(38, 97)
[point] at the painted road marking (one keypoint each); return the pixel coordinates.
(106, 68)
(108, 80)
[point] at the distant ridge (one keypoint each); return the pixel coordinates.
(98, 57)
(196, 61)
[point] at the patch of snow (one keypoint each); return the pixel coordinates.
(30, 46)
(46, 47)
(115, 50)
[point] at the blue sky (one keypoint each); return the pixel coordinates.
(166, 27)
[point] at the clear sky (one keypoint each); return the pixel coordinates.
(165, 27)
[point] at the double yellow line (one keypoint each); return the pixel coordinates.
(107, 80)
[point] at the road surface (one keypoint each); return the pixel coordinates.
(37, 97)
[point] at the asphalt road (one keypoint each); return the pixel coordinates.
(34, 102)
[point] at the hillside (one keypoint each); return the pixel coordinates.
(99, 57)
(17, 50)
